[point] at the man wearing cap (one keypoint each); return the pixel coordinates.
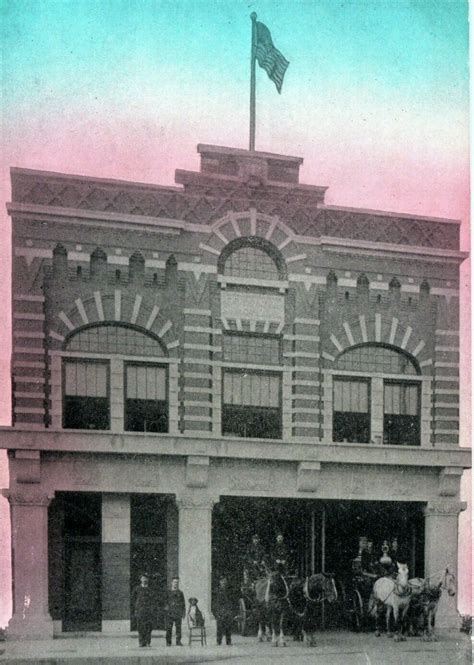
(223, 611)
(280, 555)
(255, 558)
(144, 607)
(175, 609)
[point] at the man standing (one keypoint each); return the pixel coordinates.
(175, 610)
(223, 612)
(144, 606)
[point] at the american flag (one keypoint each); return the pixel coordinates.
(268, 57)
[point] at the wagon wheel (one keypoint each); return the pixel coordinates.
(242, 617)
(356, 608)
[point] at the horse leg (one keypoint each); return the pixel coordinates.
(397, 624)
(388, 616)
(272, 617)
(281, 639)
(378, 618)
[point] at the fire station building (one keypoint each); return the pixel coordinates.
(192, 364)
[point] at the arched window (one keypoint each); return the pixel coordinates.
(376, 394)
(114, 338)
(250, 262)
(252, 257)
(87, 379)
(376, 358)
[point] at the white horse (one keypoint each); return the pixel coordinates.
(394, 596)
(425, 599)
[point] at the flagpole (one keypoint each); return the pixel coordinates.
(253, 16)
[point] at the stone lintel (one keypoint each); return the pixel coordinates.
(308, 476)
(449, 480)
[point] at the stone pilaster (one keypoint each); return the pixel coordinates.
(29, 521)
(115, 563)
(441, 552)
(195, 535)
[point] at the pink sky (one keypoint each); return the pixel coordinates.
(377, 106)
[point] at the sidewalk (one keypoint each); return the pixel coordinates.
(332, 647)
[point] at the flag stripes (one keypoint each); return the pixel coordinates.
(268, 57)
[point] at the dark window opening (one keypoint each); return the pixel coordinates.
(252, 422)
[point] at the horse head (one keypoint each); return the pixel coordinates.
(277, 587)
(320, 587)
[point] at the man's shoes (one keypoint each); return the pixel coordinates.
(179, 644)
(218, 644)
(168, 644)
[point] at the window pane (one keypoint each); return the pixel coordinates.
(373, 358)
(251, 389)
(131, 382)
(401, 399)
(252, 349)
(115, 339)
(351, 396)
(251, 262)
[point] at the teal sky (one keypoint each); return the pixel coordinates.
(62, 47)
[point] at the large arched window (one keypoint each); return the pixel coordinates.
(376, 392)
(110, 358)
(252, 258)
(250, 262)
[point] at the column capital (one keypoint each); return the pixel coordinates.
(28, 498)
(196, 501)
(444, 508)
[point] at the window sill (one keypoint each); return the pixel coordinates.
(279, 285)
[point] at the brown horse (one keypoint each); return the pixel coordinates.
(273, 591)
(316, 590)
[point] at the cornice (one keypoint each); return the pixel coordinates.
(219, 447)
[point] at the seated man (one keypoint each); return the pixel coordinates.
(369, 564)
(255, 558)
(280, 559)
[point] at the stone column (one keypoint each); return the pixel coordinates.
(195, 520)
(441, 551)
(29, 521)
(116, 563)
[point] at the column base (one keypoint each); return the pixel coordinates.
(31, 627)
(447, 618)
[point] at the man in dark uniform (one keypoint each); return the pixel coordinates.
(175, 609)
(369, 559)
(280, 556)
(255, 558)
(223, 611)
(144, 607)
(398, 556)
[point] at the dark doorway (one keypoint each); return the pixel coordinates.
(82, 561)
(148, 548)
(321, 535)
